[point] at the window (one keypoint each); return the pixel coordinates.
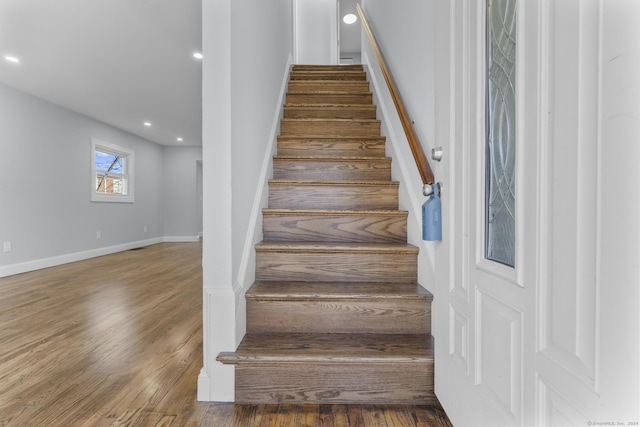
(501, 134)
(111, 172)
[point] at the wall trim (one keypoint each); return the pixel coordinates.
(38, 264)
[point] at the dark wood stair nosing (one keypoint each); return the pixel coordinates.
(331, 348)
(325, 183)
(334, 212)
(337, 247)
(291, 290)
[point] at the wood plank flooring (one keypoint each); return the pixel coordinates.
(117, 341)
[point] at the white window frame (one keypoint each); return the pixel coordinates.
(103, 146)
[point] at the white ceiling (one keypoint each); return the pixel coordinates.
(122, 62)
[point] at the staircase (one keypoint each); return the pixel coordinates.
(336, 314)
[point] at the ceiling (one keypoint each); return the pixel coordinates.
(122, 62)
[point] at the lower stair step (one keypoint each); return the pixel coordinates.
(333, 368)
(328, 75)
(333, 194)
(338, 307)
(332, 168)
(330, 127)
(329, 111)
(338, 68)
(333, 85)
(328, 225)
(328, 97)
(336, 262)
(331, 146)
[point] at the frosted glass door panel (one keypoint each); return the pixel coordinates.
(501, 136)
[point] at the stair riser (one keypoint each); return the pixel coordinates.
(321, 127)
(328, 86)
(397, 316)
(332, 68)
(333, 197)
(338, 266)
(366, 383)
(330, 112)
(310, 147)
(339, 228)
(328, 98)
(328, 75)
(378, 170)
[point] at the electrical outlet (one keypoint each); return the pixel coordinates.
(7, 246)
(144, 229)
(98, 235)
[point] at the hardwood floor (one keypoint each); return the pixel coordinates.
(117, 341)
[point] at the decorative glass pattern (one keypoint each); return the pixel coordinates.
(501, 135)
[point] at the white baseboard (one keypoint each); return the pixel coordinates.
(180, 239)
(38, 264)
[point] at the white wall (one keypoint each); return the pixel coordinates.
(404, 31)
(181, 219)
(45, 207)
(247, 45)
(316, 31)
(406, 35)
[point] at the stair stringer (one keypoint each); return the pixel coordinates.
(403, 170)
(247, 270)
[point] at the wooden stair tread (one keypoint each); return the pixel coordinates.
(334, 225)
(329, 138)
(328, 81)
(330, 106)
(297, 74)
(336, 290)
(321, 67)
(331, 348)
(336, 247)
(321, 183)
(336, 86)
(335, 158)
(318, 120)
(333, 212)
(327, 92)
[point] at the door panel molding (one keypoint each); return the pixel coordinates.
(499, 339)
(567, 313)
(459, 338)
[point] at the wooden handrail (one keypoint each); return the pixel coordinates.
(414, 142)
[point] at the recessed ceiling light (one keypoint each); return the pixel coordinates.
(179, 139)
(350, 18)
(198, 55)
(12, 59)
(147, 124)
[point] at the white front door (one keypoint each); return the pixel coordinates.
(523, 344)
(486, 294)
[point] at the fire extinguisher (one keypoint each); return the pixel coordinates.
(432, 214)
